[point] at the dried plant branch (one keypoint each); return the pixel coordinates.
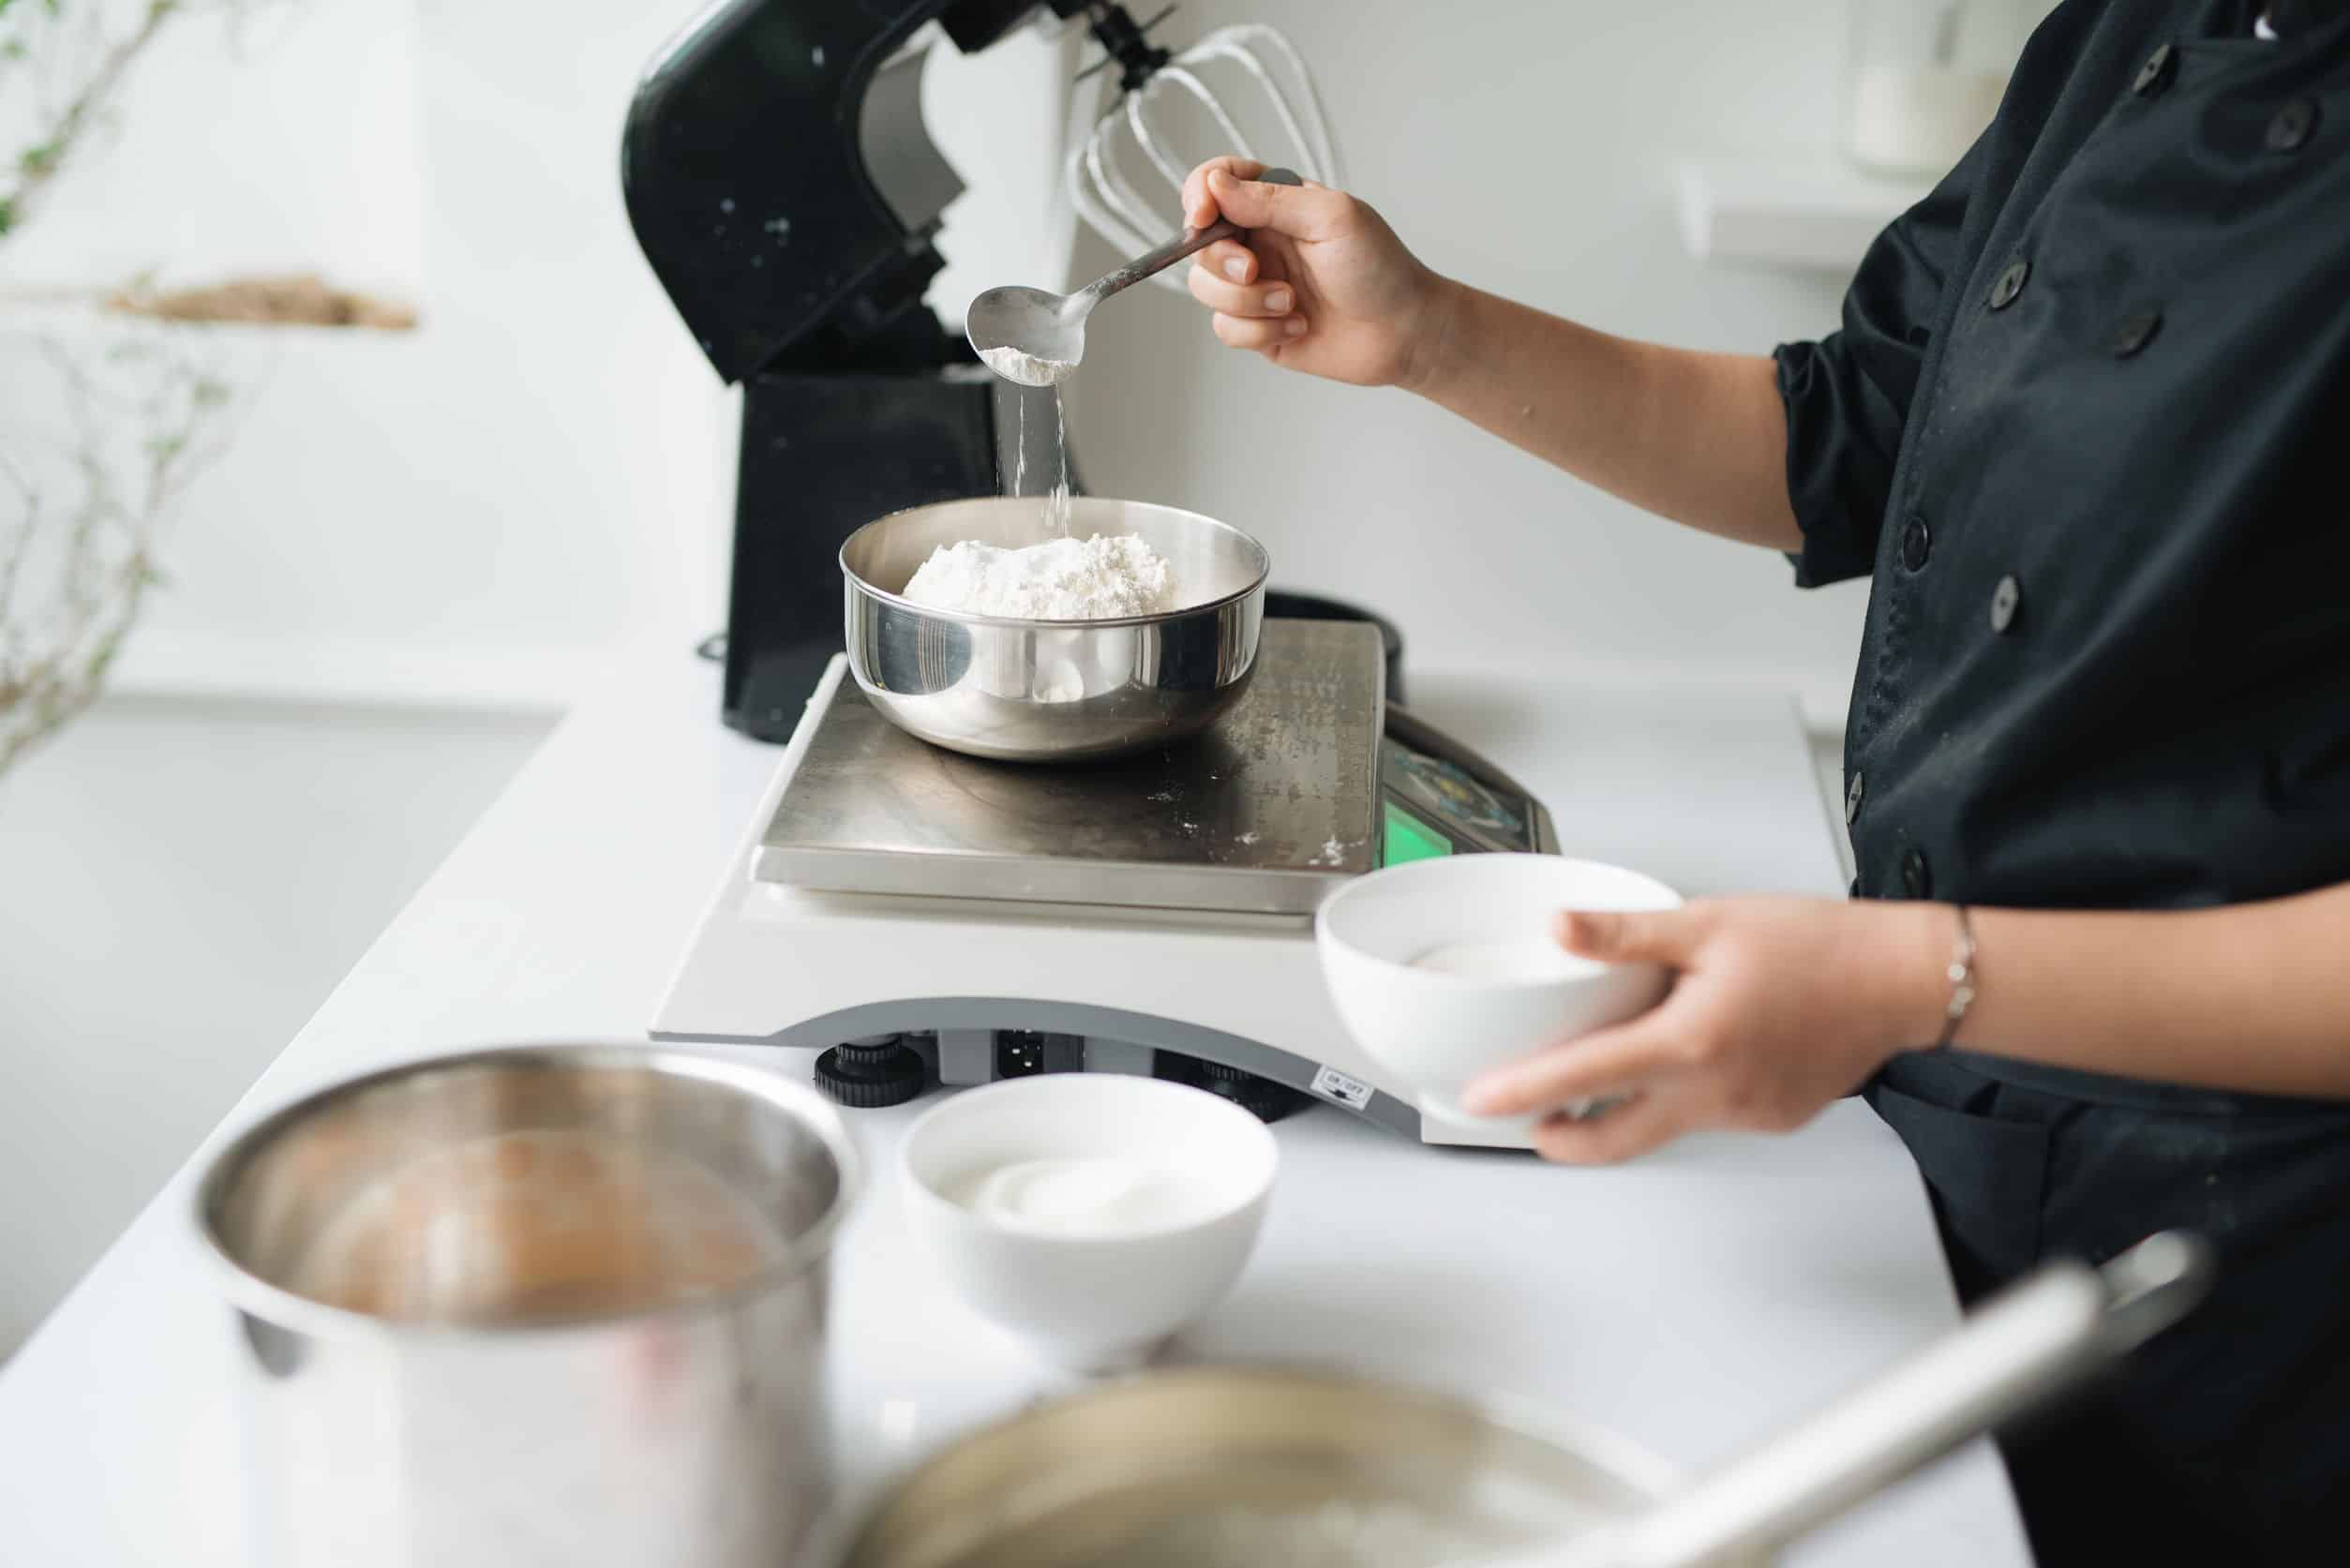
(39, 164)
(40, 36)
(143, 407)
(15, 551)
(145, 415)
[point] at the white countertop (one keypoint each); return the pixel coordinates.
(1692, 1300)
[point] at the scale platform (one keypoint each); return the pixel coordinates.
(1151, 915)
(1266, 813)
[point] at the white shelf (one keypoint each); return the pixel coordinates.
(1813, 216)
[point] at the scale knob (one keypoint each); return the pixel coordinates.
(869, 1073)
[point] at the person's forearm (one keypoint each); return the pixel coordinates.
(1698, 438)
(2254, 997)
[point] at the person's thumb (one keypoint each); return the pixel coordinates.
(1612, 936)
(1301, 212)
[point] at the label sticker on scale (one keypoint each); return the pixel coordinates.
(1332, 1084)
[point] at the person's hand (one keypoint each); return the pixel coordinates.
(1320, 283)
(1779, 1006)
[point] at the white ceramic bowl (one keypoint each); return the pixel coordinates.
(1099, 1300)
(1437, 1030)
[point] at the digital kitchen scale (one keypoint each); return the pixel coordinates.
(1148, 915)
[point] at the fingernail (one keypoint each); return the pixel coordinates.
(1479, 1098)
(1294, 326)
(1278, 302)
(1237, 270)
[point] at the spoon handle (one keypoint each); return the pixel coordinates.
(1178, 249)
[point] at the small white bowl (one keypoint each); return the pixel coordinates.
(1436, 1030)
(1104, 1299)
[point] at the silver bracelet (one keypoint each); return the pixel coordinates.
(1962, 978)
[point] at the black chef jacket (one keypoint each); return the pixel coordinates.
(2083, 425)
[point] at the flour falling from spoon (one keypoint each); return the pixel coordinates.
(1020, 448)
(1057, 509)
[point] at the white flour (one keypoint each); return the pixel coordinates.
(1061, 580)
(1017, 364)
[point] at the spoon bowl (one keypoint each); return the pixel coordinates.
(1036, 337)
(1030, 335)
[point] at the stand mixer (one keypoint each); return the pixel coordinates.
(781, 183)
(918, 915)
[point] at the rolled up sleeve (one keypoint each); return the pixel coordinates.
(1848, 395)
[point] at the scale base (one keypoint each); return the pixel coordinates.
(1001, 987)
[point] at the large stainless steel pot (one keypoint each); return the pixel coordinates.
(1052, 691)
(558, 1303)
(1231, 1467)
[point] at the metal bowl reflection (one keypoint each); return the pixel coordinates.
(1052, 691)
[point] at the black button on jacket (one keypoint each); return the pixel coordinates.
(2171, 728)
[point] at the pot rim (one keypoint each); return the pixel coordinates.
(290, 1309)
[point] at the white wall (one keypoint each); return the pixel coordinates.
(270, 137)
(1524, 145)
(181, 884)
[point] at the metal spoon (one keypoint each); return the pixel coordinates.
(1036, 337)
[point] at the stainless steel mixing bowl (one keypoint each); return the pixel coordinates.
(1052, 691)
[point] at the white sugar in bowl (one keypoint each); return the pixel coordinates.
(1090, 1215)
(1444, 968)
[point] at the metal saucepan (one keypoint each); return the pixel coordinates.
(1232, 1467)
(1052, 691)
(558, 1303)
